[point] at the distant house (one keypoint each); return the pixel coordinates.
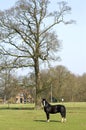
(24, 98)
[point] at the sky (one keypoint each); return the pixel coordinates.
(73, 37)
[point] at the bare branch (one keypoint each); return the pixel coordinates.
(26, 37)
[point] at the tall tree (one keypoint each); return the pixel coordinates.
(27, 39)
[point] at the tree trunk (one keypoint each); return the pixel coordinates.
(38, 85)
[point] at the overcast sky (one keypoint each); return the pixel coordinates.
(73, 37)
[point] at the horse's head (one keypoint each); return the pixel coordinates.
(44, 102)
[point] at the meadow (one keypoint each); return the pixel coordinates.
(24, 117)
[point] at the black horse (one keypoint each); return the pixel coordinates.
(52, 109)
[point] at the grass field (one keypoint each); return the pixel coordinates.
(23, 117)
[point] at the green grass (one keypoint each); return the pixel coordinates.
(21, 118)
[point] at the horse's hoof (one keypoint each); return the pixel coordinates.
(48, 120)
(63, 120)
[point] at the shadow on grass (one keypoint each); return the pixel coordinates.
(46, 121)
(16, 108)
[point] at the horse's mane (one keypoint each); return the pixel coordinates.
(46, 103)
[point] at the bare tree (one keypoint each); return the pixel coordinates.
(27, 39)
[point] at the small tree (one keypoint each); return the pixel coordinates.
(27, 39)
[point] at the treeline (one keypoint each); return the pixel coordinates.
(63, 84)
(56, 83)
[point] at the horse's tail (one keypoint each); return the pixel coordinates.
(63, 111)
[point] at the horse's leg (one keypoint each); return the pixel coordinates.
(62, 120)
(63, 117)
(48, 117)
(63, 114)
